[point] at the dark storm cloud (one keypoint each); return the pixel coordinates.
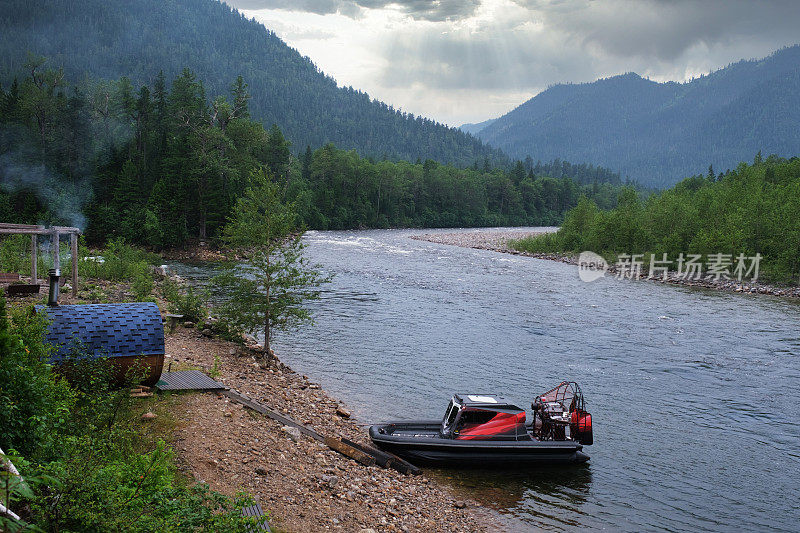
(319, 7)
(430, 10)
(547, 42)
(665, 29)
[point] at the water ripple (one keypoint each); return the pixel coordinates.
(693, 392)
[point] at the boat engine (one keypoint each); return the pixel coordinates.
(560, 408)
(580, 427)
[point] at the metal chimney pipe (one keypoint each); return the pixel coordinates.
(55, 275)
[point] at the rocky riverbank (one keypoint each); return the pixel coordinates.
(305, 485)
(497, 241)
(301, 483)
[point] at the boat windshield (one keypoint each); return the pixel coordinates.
(450, 414)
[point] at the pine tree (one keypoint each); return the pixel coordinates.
(277, 154)
(305, 161)
(268, 291)
(240, 98)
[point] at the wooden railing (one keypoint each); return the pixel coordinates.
(55, 233)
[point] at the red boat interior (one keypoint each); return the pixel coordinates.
(558, 414)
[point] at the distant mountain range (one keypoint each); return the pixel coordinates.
(658, 133)
(138, 38)
(473, 129)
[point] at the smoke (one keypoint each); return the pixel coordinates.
(64, 198)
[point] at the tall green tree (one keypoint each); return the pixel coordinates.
(277, 154)
(269, 290)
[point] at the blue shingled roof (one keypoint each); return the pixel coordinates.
(110, 330)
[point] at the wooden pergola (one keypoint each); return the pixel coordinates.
(55, 232)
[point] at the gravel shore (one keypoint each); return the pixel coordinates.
(482, 240)
(497, 241)
(302, 483)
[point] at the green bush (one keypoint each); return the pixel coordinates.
(117, 262)
(189, 302)
(15, 254)
(226, 330)
(34, 402)
(142, 285)
(106, 486)
(88, 468)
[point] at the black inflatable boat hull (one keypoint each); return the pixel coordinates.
(419, 442)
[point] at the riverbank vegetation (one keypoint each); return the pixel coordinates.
(754, 209)
(86, 459)
(162, 164)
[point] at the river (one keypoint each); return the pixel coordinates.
(694, 393)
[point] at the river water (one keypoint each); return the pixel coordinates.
(694, 393)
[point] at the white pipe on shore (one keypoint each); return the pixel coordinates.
(8, 512)
(8, 464)
(13, 470)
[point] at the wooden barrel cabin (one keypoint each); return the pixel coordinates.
(130, 335)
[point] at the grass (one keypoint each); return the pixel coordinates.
(165, 406)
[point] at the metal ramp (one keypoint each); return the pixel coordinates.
(188, 380)
(255, 511)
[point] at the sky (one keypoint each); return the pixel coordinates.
(459, 61)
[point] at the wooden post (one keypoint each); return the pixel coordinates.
(73, 245)
(55, 251)
(34, 259)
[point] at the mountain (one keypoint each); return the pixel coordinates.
(138, 38)
(472, 129)
(658, 133)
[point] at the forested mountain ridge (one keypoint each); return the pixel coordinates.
(161, 165)
(137, 38)
(657, 133)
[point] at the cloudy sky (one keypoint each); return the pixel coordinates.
(462, 61)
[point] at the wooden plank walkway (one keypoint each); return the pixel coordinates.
(271, 413)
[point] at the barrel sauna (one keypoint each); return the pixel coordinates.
(129, 335)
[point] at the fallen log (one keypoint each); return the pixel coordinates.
(381, 459)
(386, 459)
(403, 466)
(345, 449)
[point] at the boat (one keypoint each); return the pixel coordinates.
(487, 430)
